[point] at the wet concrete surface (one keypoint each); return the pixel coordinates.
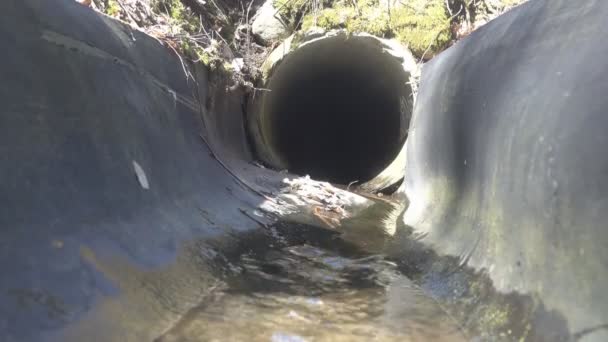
(312, 286)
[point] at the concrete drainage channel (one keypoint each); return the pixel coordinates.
(133, 211)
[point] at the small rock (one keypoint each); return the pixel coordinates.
(267, 25)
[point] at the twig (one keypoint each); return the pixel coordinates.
(416, 9)
(490, 7)
(301, 9)
(186, 72)
(354, 3)
(224, 17)
(222, 38)
(127, 12)
(277, 15)
(248, 28)
(447, 5)
(260, 89)
(203, 27)
(437, 36)
(284, 4)
(351, 183)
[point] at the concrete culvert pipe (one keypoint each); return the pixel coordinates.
(337, 108)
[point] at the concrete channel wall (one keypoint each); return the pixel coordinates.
(507, 165)
(104, 177)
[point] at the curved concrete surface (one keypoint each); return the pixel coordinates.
(506, 164)
(110, 199)
(120, 202)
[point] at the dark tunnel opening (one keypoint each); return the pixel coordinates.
(338, 110)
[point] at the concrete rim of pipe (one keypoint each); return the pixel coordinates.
(337, 107)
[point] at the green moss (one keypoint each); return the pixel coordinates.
(194, 51)
(204, 56)
(290, 10)
(428, 28)
(331, 18)
(185, 22)
(113, 9)
(372, 21)
(181, 15)
(177, 10)
(511, 3)
(197, 54)
(496, 317)
(420, 24)
(293, 11)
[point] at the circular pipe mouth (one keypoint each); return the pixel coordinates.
(338, 110)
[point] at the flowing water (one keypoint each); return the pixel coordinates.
(314, 289)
